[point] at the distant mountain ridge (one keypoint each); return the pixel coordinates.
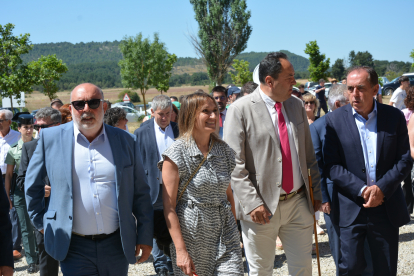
(96, 52)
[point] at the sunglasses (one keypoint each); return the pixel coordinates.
(37, 127)
(221, 98)
(93, 104)
(309, 103)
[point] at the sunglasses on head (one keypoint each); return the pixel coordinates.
(93, 104)
(37, 127)
(309, 102)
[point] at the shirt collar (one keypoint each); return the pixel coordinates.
(267, 99)
(370, 115)
(193, 149)
(224, 112)
(159, 128)
(76, 133)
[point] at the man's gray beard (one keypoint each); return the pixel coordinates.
(81, 125)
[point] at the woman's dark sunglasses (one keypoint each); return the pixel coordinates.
(93, 104)
(37, 127)
(309, 103)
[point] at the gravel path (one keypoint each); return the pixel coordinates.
(405, 260)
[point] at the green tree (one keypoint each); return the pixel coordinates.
(14, 75)
(223, 34)
(338, 69)
(318, 65)
(164, 70)
(243, 74)
(412, 56)
(361, 59)
(140, 64)
(49, 70)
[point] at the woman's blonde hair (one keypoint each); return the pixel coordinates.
(190, 108)
(308, 97)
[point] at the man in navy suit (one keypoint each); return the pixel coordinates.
(100, 214)
(154, 137)
(367, 161)
(6, 243)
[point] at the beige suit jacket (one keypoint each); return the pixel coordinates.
(257, 178)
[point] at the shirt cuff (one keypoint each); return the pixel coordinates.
(360, 192)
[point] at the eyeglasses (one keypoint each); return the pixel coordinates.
(37, 127)
(93, 104)
(1, 121)
(309, 103)
(222, 98)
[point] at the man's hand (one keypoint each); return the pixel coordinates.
(6, 270)
(47, 190)
(326, 208)
(146, 251)
(317, 205)
(373, 196)
(260, 215)
(42, 231)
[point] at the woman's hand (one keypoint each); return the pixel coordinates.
(184, 262)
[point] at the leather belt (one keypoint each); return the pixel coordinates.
(96, 237)
(292, 194)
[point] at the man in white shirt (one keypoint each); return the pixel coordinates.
(399, 95)
(7, 138)
(154, 137)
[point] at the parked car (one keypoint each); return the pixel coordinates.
(129, 104)
(15, 110)
(34, 112)
(327, 88)
(390, 87)
(132, 114)
(384, 80)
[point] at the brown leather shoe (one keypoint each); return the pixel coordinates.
(17, 255)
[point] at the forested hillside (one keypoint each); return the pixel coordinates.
(97, 62)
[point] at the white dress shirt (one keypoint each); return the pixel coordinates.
(270, 104)
(5, 142)
(164, 140)
(95, 208)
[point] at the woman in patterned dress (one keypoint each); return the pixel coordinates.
(202, 223)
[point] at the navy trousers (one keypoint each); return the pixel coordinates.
(373, 225)
(335, 244)
(95, 257)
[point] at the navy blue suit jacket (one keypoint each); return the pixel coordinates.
(53, 157)
(318, 131)
(345, 165)
(6, 242)
(147, 143)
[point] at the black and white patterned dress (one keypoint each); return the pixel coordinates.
(207, 223)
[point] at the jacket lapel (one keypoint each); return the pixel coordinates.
(288, 105)
(115, 143)
(66, 134)
(261, 110)
(380, 128)
(152, 138)
(353, 131)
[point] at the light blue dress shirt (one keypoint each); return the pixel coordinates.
(95, 208)
(368, 135)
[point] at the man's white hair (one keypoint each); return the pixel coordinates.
(7, 114)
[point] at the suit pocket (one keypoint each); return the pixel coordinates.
(50, 214)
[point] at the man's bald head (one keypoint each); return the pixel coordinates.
(86, 87)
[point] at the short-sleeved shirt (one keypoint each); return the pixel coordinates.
(398, 98)
(321, 95)
(14, 155)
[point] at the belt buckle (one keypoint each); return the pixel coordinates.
(286, 197)
(93, 237)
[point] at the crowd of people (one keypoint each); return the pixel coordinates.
(210, 177)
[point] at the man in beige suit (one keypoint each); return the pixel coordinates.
(269, 131)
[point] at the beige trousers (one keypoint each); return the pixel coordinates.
(293, 223)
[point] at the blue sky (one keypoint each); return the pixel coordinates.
(380, 27)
